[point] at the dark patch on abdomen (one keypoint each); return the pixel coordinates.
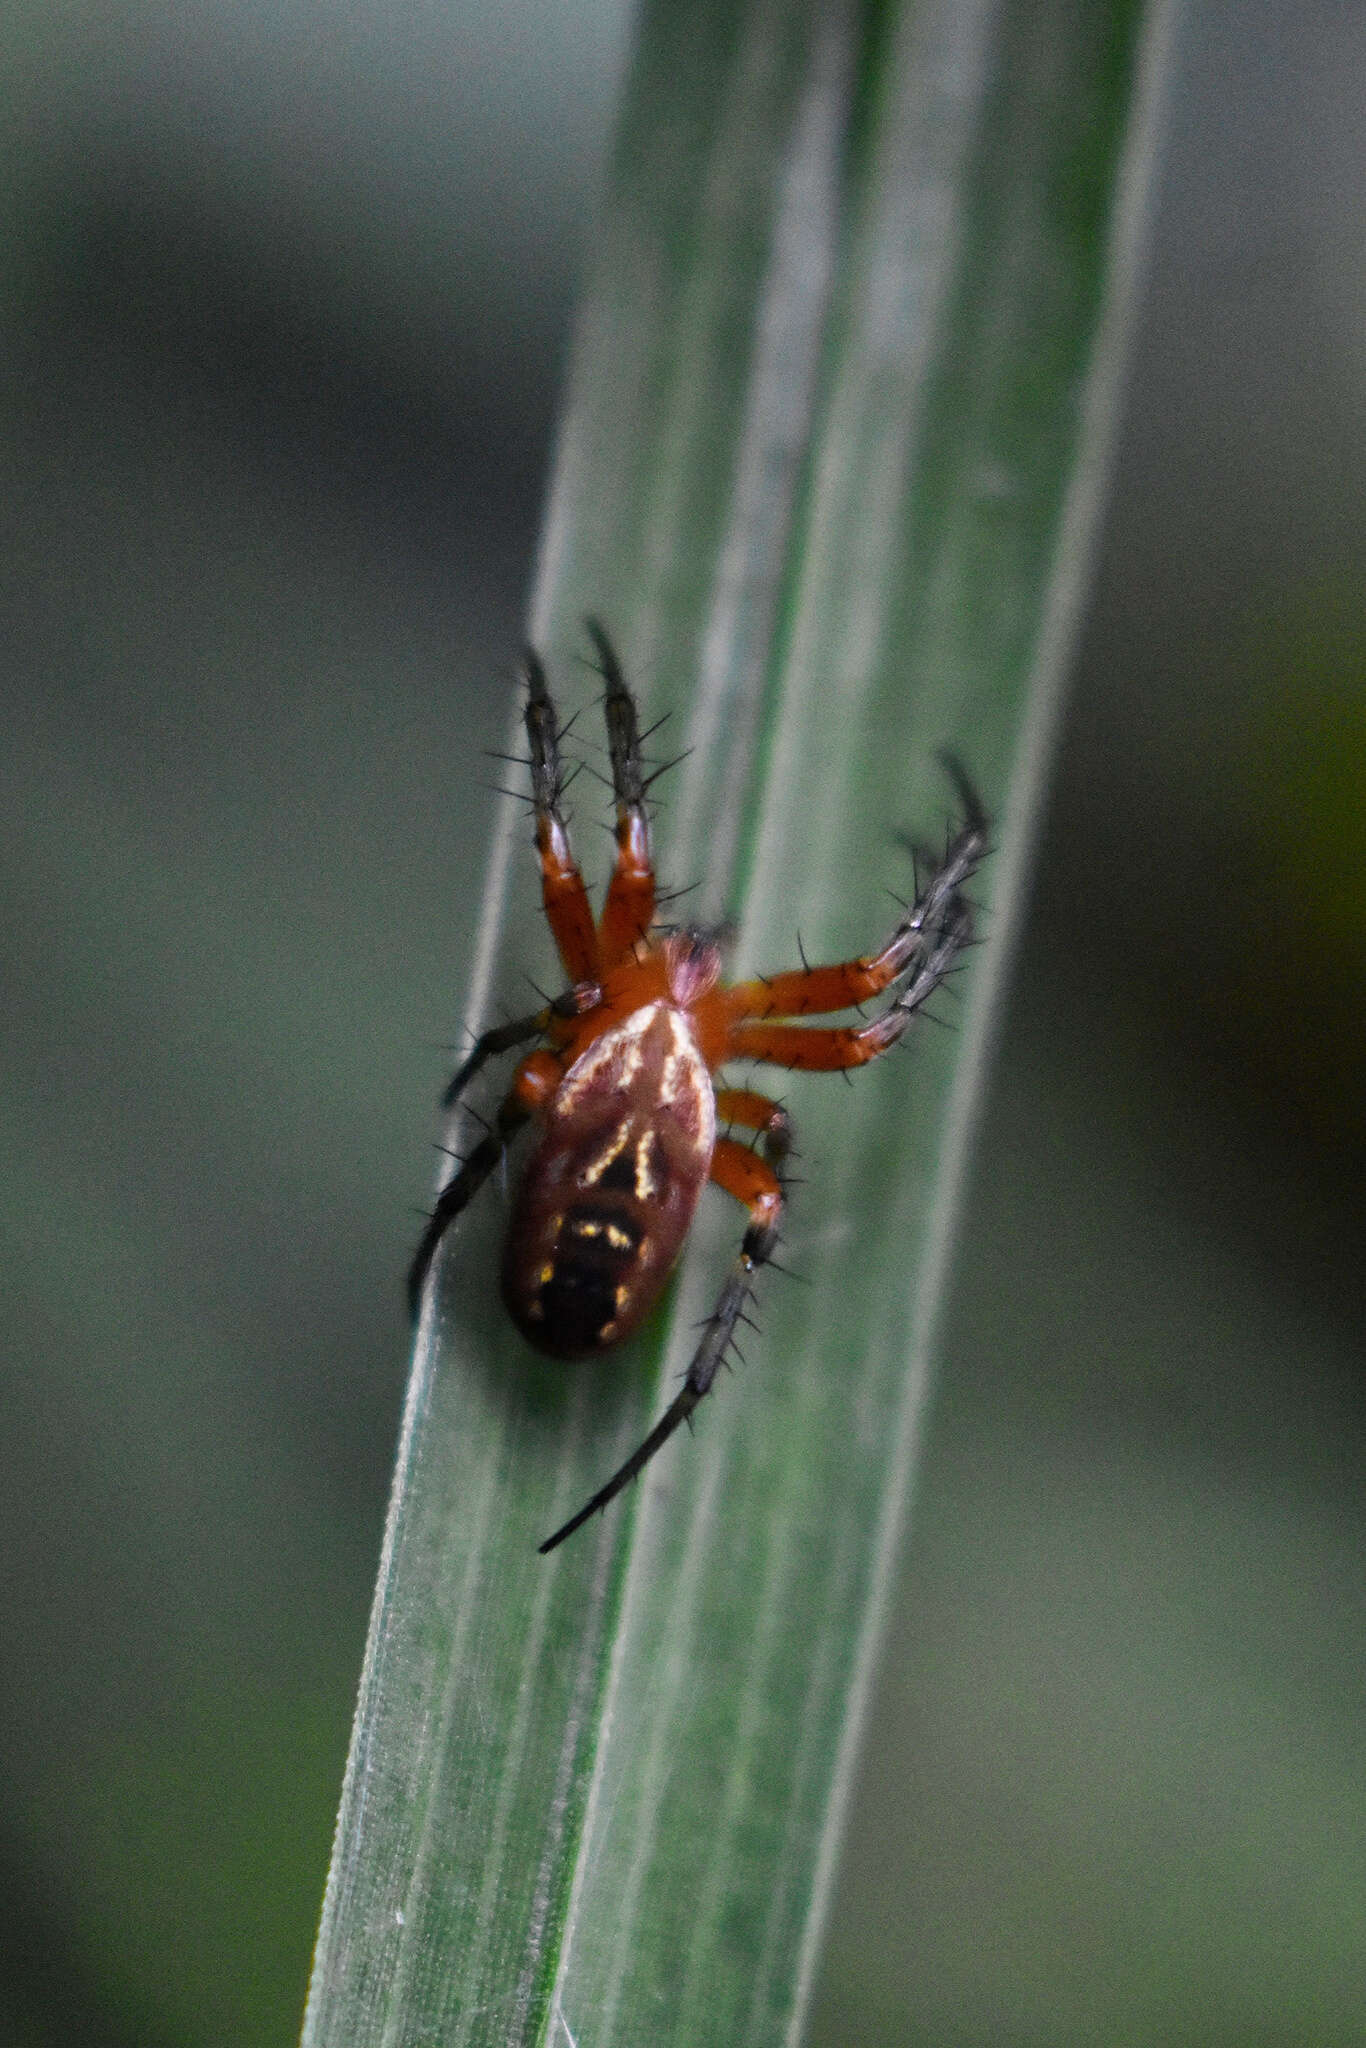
(621, 1174)
(579, 1300)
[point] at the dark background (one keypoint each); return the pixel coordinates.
(286, 298)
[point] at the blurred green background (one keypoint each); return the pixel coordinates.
(286, 293)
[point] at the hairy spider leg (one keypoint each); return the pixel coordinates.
(534, 1082)
(629, 908)
(755, 1112)
(755, 1182)
(567, 908)
(827, 1048)
(574, 1002)
(501, 1038)
(816, 991)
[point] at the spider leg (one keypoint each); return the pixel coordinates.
(535, 1080)
(629, 909)
(567, 909)
(575, 1002)
(756, 1183)
(501, 1038)
(826, 1048)
(755, 1112)
(815, 991)
(924, 948)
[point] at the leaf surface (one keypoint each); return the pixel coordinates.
(830, 460)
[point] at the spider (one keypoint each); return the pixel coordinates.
(621, 1085)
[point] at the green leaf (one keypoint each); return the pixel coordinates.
(829, 467)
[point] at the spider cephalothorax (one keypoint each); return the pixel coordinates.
(632, 1122)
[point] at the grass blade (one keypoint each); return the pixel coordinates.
(829, 462)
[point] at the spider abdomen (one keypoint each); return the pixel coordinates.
(609, 1193)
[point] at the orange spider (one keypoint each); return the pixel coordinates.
(622, 1086)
